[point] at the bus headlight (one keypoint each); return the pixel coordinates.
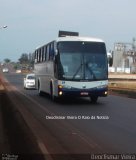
(105, 92)
(60, 93)
(60, 86)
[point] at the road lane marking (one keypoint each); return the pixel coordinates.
(81, 136)
(44, 150)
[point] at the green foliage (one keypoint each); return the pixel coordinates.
(24, 59)
(15, 66)
(7, 60)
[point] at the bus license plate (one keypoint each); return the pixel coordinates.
(84, 93)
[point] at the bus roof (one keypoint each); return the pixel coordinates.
(77, 38)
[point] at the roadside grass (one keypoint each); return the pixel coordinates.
(130, 94)
(126, 88)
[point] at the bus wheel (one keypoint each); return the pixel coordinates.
(94, 99)
(39, 90)
(53, 98)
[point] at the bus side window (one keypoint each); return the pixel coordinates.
(39, 55)
(51, 51)
(47, 54)
(44, 54)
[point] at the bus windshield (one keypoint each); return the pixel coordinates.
(82, 61)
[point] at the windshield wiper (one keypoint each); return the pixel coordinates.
(90, 70)
(77, 70)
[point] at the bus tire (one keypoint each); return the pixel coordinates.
(94, 99)
(39, 89)
(53, 98)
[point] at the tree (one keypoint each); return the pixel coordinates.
(24, 59)
(7, 60)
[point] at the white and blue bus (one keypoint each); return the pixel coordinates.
(72, 66)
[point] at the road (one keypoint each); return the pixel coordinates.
(83, 128)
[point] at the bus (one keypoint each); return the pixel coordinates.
(72, 66)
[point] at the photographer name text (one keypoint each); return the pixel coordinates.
(80, 117)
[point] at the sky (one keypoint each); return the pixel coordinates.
(36, 22)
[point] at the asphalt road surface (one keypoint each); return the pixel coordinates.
(84, 128)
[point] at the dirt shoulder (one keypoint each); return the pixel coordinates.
(15, 135)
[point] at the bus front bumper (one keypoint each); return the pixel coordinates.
(100, 92)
